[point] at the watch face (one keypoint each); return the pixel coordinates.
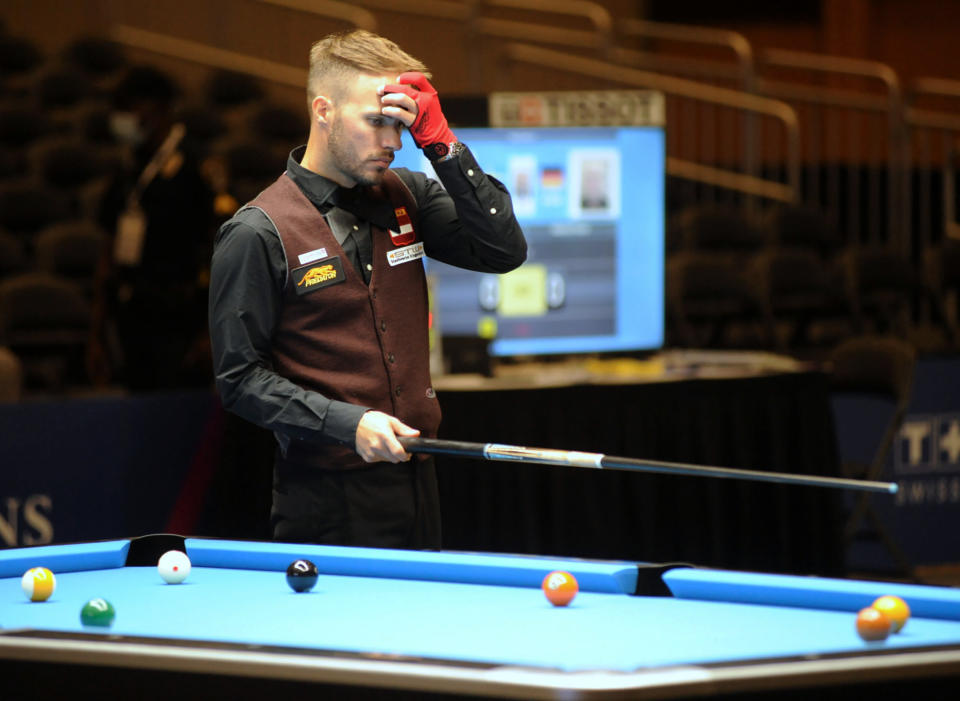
(439, 150)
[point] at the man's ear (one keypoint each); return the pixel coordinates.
(322, 108)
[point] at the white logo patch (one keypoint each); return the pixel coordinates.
(311, 256)
(406, 254)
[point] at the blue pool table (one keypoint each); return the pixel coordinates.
(431, 624)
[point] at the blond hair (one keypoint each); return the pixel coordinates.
(338, 58)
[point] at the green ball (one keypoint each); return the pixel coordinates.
(98, 612)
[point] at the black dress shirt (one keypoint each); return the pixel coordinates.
(470, 225)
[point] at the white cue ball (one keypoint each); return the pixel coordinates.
(174, 566)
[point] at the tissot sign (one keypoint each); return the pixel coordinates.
(924, 516)
(577, 108)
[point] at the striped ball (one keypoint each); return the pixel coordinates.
(38, 583)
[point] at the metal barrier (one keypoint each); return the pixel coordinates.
(785, 127)
(357, 16)
(738, 74)
(204, 54)
(852, 141)
(684, 160)
(933, 141)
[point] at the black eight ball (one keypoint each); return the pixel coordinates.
(302, 575)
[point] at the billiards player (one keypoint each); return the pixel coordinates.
(318, 299)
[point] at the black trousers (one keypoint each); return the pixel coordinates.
(384, 505)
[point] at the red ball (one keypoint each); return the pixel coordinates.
(560, 587)
(872, 624)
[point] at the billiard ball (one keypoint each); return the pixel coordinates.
(896, 609)
(98, 612)
(302, 575)
(873, 625)
(560, 587)
(173, 566)
(38, 583)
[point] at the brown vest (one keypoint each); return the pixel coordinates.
(336, 335)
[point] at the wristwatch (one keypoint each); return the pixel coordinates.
(441, 151)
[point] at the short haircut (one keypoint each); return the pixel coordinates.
(339, 58)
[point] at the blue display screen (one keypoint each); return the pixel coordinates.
(591, 203)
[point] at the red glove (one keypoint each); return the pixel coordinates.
(430, 126)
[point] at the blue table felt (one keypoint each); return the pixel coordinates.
(468, 607)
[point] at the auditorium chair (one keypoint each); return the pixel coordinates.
(881, 289)
(63, 88)
(801, 298)
(45, 320)
(279, 125)
(26, 207)
(100, 58)
(13, 257)
(941, 281)
(22, 125)
(20, 58)
(715, 227)
(878, 368)
(71, 250)
(709, 290)
(69, 164)
(804, 227)
(710, 303)
(11, 376)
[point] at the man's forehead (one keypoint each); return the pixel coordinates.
(364, 88)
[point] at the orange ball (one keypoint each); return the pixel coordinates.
(896, 609)
(560, 587)
(872, 625)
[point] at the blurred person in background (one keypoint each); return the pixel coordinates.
(160, 211)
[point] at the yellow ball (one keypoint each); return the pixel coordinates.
(38, 583)
(896, 609)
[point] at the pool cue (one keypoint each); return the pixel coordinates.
(599, 461)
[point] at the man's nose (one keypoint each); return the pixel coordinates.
(391, 137)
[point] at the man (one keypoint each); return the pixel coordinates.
(318, 301)
(152, 281)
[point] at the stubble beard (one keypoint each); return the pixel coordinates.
(347, 161)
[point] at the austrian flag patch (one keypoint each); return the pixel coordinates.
(406, 235)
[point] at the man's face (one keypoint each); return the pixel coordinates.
(362, 139)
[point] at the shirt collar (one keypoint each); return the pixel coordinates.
(318, 189)
(326, 194)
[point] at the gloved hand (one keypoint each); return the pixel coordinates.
(430, 126)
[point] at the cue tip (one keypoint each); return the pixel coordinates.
(894, 488)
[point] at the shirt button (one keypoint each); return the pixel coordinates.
(356, 228)
(369, 266)
(493, 210)
(470, 172)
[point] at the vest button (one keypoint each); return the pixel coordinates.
(383, 326)
(430, 393)
(391, 358)
(397, 391)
